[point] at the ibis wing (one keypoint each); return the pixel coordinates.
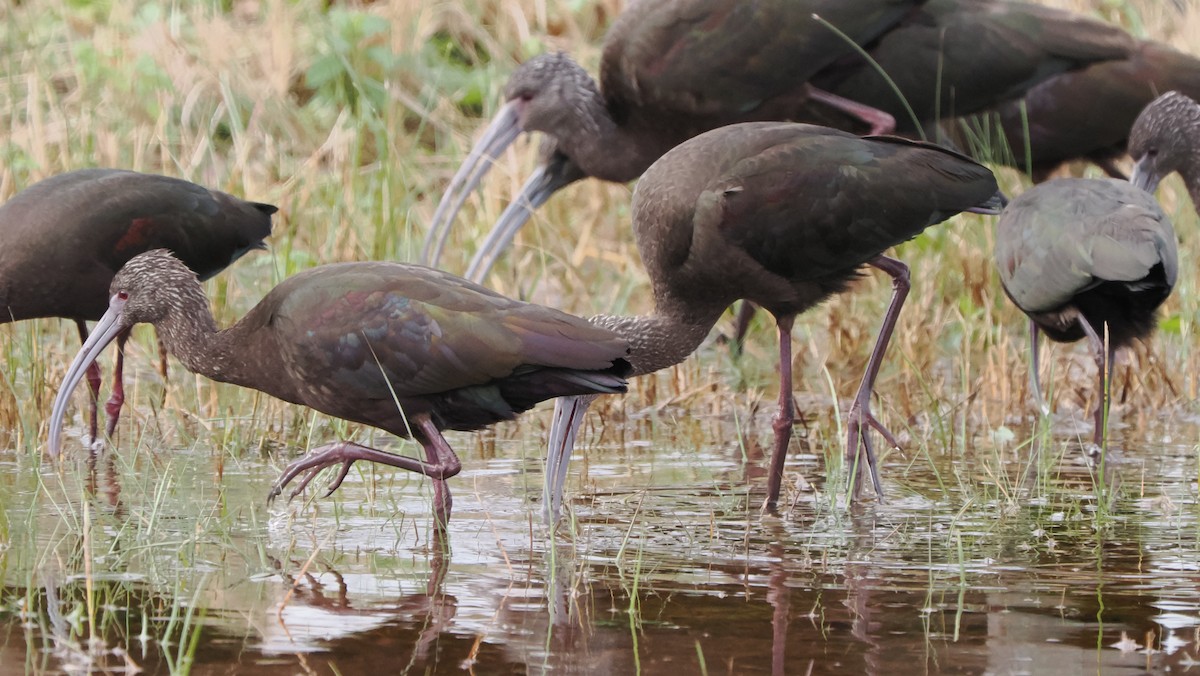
(724, 58)
(378, 328)
(1066, 236)
(819, 204)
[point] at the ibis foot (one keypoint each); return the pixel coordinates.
(442, 463)
(346, 453)
(859, 423)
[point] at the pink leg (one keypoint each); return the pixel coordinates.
(879, 121)
(860, 410)
(786, 415)
(442, 464)
(117, 399)
(93, 379)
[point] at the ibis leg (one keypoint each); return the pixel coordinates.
(741, 325)
(1035, 383)
(1103, 355)
(93, 379)
(786, 415)
(442, 463)
(439, 454)
(860, 415)
(879, 121)
(117, 399)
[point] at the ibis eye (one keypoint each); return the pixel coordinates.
(122, 295)
(1152, 152)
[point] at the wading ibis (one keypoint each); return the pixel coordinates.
(1087, 114)
(63, 238)
(664, 80)
(671, 69)
(1165, 139)
(404, 348)
(1087, 258)
(784, 215)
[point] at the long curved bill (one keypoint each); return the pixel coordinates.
(109, 326)
(568, 417)
(546, 180)
(1144, 175)
(504, 129)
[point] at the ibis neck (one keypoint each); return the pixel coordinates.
(1191, 176)
(663, 339)
(240, 355)
(604, 148)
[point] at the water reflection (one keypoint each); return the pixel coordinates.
(988, 563)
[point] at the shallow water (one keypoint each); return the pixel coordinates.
(666, 567)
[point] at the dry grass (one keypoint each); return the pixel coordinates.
(352, 118)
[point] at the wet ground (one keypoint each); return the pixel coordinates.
(977, 563)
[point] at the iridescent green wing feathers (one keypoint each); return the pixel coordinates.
(428, 332)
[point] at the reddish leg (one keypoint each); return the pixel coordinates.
(786, 415)
(879, 121)
(93, 379)
(442, 463)
(117, 399)
(860, 410)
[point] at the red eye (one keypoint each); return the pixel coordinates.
(122, 295)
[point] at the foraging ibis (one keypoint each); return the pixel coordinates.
(63, 238)
(1090, 258)
(948, 57)
(784, 215)
(404, 348)
(671, 69)
(1166, 138)
(1088, 113)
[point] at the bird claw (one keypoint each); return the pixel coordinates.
(310, 467)
(858, 436)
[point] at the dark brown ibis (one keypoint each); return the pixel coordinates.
(404, 348)
(1166, 139)
(956, 57)
(784, 215)
(671, 69)
(1087, 258)
(63, 238)
(1087, 114)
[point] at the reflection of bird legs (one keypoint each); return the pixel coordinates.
(111, 484)
(779, 596)
(442, 607)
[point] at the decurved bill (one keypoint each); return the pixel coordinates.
(533, 195)
(555, 174)
(504, 129)
(1144, 175)
(104, 332)
(568, 417)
